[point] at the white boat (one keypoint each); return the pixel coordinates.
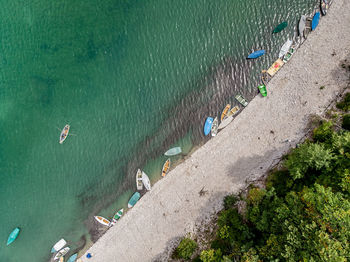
(285, 48)
(61, 253)
(64, 133)
(302, 23)
(139, 184)
(117, 216)
(173, 151)
(102, 220)
(214, 127)
(145, 181)
(225, 122)
(58, 246)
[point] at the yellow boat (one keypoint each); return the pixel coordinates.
(233, 111)
(224, 112)
(275, 67)
(166, 167)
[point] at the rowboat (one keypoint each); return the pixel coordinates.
(324, 6)
(139, 185)
(307, 26)
(145, 181)
(61, 253)
(58, 246)
(12, 237)
(207, 125)
(135, 197)
(233, 111)
(280, 27)
(225, 122)
(289, 54)
(241, 100)
(72, 258)
(285, 48)
(275, 67)
(301, 26)
(102, 220)
(224, 112)
(256, 54)
(262, 89)
(315, 21)
(64, 133)
(264, 77)
(117, 216)
(214, 127)
(173, 151)
(166, 167)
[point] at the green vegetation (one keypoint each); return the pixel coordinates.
(345, 104)
(346, 122)
(186, 248)
(322, 87)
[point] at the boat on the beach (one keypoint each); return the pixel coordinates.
(13, 235)
(207, 125)
(262, 89)
(307, 26)
(241, 100)
(166, 167)
(301, 26)
(117, 216)
(315, 21)
(64, 133)
(173, 151)
(58, 246)
(280, 27)
(145, 181)
(285, 48)
(72, 258)
(224, 112)
(225, 122)
(102, 220)
(232, 112)
(264, 77)
(324, 6)
(214, 127)
(61, 253)
(139, 185)
(275, 67)
(256, 54)
(133, 200)
(289, 54)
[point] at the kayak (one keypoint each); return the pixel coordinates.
(214, 127)
(280, 27)
(173, 151)
(135, 197)
(12, 237)
(315, 21)
(207, 125)
(72, 258)
(256, 54)
(262, 89)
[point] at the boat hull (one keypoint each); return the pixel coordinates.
(173, 151)
(262, 89)
(166, 168)
(214, 127)
(280, 27)
(133, 200)
(241, 99)
(284, 49)
(64, 133)
(301, 26)
(102, 220)
(315, 21)
(139, 184)
(146, 182)
(58, 246)
(12, 237)
(224, 112)
(256, 54)
(61, 253)
(207, 125)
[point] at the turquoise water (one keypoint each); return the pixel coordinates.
(132, 78)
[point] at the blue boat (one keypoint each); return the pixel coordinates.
(315, 21)
(13, 236)
(72, 258)
(135, 197)
(207, 125)
(256, 54)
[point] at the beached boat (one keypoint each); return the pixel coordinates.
(233, 111)
(241, 100)
(315, 21)
(280, 27)
(64, 133)
(139, 185)
(285, 48)
(145, 181)
(224, 112)
(72, 258)
(14, 234)
(102, 220)
(61, 253)
(133, 200)
(262, 89)
(301, 26)
(166, 167)
(207, 125)
(324, 7)
(173, 151)
(117, 216)
(58, 246)
(307, 26)
(289, 54)
(214, 127)
(256, 54)
(275, 67)
(225, 122)
(264, 77)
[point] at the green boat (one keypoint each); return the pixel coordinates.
(13, 236)
(135, 197)
(241, 100)
(280, 27)
(262, 89)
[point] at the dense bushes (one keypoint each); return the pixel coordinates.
(345, 104)
(186, 248)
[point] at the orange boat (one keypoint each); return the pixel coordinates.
(224, 112)
(166, 167)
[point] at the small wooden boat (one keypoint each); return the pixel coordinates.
(133, 200)
(64, 133)
(139, 185)
(173, 151)
(241, 100)
(166, 167)
(324, 7)
(224, 112)
(233, 111)
(102, 220)
(117, 216)
(256, 54)
(214, 127)
(315, 21)
(301, 26)
(58, 246)
(280, 27)
(207, 125)
(262, 89)
(307, 26)
(145, 181)
(61, 253)
(72, 258)
(289, 54)
(225, 122)
(14, 234)
(285, 48)
(264, 77)
(275, 67)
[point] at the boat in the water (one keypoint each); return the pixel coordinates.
(324, 6)
(133, 200)
(285, 48)
(224, 112)
(64, 133)
(146, 182)
(262, 89)
(102, 220)
(280, 27)
(256, 54)
(13, 235)
(275, 67)
(117, 216)
(233, 111)
(207, 125)
(58, 246)
(241, 100)
(61, 253)
(166, 167)
(72, 258)
(289, 54)
(173, 151)
(139, 185)
(214, 127)
(301, 26)
(315, 21)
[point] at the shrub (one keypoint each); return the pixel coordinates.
(324, 132)
(255, 196)
(186, 248)
(345, 104)
(346, 122)
(230, 201)
(211, 255)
